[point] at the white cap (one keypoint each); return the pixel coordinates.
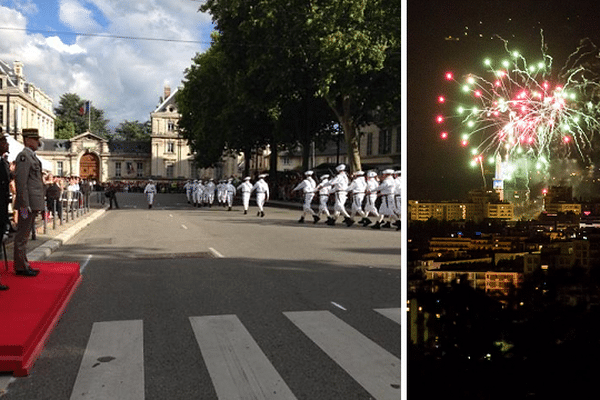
(359, 173)
(398, 172)
(263, 175)
(247, 178)
(388, 171)
(325, 176)
(340, 167)
(371, 174)
(308, 173)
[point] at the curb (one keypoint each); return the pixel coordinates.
(48, 247)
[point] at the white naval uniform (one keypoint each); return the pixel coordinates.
(229, 193)
(262, 193)
(323, 188)
(210, 190)
(339, 187)
(188, 191)
(150, 191)
(397, 192)
(358, 187)
(308, 188)
(370, 207)
(246, 188)
(386, 190)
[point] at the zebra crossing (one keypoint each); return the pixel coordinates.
(113, 363)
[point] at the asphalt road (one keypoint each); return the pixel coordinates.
(185, 303)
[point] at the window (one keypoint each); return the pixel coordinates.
(385, 141)
(369, 143)
(170, 170)
(59, 168)
(130, 170)
(170, 126)
(118, 169)
(170, 147)
(140, 169)
(286, 160)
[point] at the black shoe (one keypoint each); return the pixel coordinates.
(229, 209)
(245, 212)
(301, 220)
(387, 225)
(377, 225)
(27, 272)
(262, 214)
(3, 287)
(349, 222)
(330, 221)
(316, 219)
(258, 214)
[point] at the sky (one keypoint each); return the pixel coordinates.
(65, 49)
(439, 169)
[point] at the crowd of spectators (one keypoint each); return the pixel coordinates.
(60, 191)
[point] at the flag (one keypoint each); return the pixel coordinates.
(85, 108)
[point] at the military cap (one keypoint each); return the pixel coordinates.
(30, 133)
(309, 173)
(325, 176)
(340, 167)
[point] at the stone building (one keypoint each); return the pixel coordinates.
(22, 104)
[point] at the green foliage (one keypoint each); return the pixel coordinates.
(133, 130)
(70, 121)
(344, 52)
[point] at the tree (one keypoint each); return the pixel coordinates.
(345, 52)
(71, 121)
(133, 130)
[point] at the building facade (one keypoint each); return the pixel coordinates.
(22, 104)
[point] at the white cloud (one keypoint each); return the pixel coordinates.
(26, 6)
(55, 43)
(75, 15)
(123, 77)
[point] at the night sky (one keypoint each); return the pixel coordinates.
(438, 169)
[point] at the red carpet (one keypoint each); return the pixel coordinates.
(30, 309)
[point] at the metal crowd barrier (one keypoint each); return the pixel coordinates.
(69, 206)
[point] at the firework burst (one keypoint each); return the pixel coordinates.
(517, 112)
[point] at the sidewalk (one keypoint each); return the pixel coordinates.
(48, 242)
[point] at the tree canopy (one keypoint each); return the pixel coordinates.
(72, 118)
(289, 69)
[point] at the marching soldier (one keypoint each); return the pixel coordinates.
(386, 209)
(398, 208)
(371, 196)
(308, 186)
(339, 187)
(30, 198)
(357, 187)
(229, 193)
(210, 190)
(150, 191)
(323, 188)
(262, 193)
(245, 188)
(188, 190)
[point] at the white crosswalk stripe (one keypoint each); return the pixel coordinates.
(113, 363)
(371, 366)
(391, 313)
(237, 366)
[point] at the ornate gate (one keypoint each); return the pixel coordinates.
(89, 167)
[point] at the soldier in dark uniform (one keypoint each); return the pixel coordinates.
(4, 191)
(30, 198)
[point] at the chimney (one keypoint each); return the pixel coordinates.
(18, 67)
(167, 92)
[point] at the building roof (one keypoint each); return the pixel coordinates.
(9, 71)
(169, 100)
(130, 146)
(57, 145)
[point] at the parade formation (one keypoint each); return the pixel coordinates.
(369, 195)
